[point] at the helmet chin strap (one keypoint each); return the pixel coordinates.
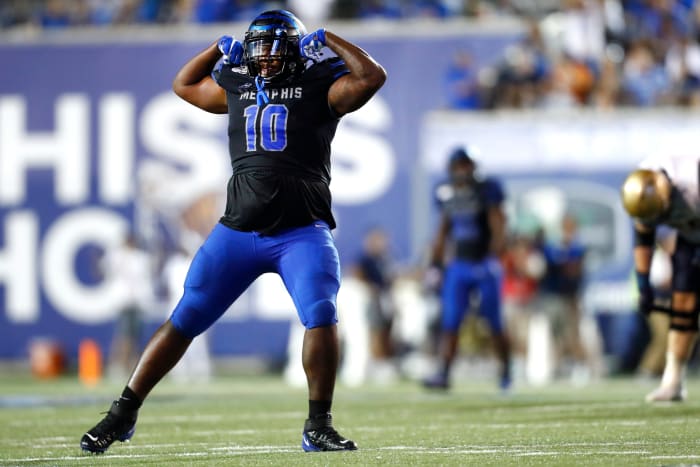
(261, 96)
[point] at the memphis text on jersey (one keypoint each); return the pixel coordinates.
(273, 93)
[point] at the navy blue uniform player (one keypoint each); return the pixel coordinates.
(474, 222)
(664, 191)
(284, 103)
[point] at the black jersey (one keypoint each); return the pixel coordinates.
(467, 210)
(280, 149)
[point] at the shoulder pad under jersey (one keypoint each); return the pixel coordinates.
(493, 190)
(331, 68)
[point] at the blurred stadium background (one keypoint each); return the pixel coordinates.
(561, 99)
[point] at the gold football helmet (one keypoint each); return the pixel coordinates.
(646, 194)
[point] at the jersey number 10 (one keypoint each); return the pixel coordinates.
(272, 125)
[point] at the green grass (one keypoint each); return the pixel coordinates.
(253, 420)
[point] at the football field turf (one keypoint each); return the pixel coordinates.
(258, 420)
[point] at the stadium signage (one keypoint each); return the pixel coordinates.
(79, 148)
(37, 257)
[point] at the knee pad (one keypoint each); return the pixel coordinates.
(685, 321)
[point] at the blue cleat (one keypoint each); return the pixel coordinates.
(118, 425)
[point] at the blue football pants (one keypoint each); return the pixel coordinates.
(229, 261)
(461, 280)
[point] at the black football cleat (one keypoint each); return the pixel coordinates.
(118, 425)
(436, 382)
(319, 435)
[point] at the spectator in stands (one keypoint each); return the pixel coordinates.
(388, 9)
(606, 91)
(15, 13)
(659, 20)
(180, 12)
(55, 14)
(96, 13)
(570, 84)
(429, 9)
(462, 82)
(644, 80)
(582, 31)
(214, 11)
(660, 38)
(683, 67)
(312, 12)
(522, 72)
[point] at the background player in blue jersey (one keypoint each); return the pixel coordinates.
(473, 224)
(284, 101)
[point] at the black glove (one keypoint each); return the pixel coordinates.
(646, 301)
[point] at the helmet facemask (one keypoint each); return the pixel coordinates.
(271, 45)
(266, 55)
(461, 172)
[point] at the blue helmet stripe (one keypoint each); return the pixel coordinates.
(276, 17)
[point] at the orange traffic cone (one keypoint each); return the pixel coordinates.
(89, 362)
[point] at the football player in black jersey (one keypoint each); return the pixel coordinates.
(473, 222)
(284, 99)
(664, 191)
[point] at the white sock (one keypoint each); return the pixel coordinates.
(674, 371)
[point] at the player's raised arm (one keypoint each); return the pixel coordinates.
(194, 83)
(353, 90)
